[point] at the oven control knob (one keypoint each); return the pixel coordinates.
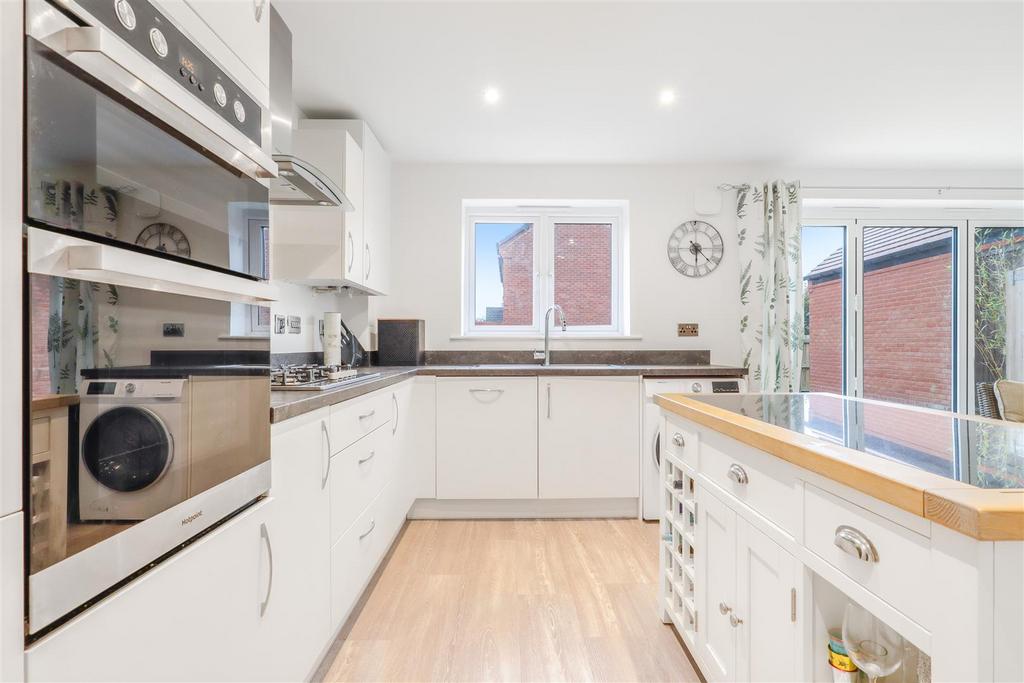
(696, 387)
(157, 40)
(239, 111)
(125, 14)
(219, 94)
(129, 388)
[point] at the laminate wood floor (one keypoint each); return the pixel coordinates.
(531, 600)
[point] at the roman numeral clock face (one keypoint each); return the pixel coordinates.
(166, 238)
(695, 248)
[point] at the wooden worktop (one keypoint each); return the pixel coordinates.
(991, 514)
(53, 401)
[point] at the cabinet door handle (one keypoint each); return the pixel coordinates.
(724, 608)
(366, 248)
(257, 9)
(265, 535)
(487, 391)
(368, 458)
(855, 543)
(368, 415)
(738, 474)
(394, 423)
(549, 401)
(351, 252)
(373, 525)
(677, 439)
(735, 620)
(327, 433)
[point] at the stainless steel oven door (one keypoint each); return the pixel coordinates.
(124, 57)
(149, 422)
(118, 151)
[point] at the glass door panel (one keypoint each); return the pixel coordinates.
(823, 258)
(909, 309)
(998, 304)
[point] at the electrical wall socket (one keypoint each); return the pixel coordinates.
(687, 330)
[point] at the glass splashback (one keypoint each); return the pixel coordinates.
(982, 453)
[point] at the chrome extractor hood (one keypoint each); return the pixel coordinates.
(299, 183)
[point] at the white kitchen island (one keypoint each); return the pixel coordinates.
(782, 508)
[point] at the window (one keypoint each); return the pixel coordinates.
(522, 260)
(916, 310)
(252, 255)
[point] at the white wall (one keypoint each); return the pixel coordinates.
(310, 306)
(427, 255)
(426, 268)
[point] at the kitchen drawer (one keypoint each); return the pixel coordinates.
(357, 475)
(354, 419)
(899, 576)
(355, 555)
(766, 484)
(680, 442)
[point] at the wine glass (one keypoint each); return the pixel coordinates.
(872, 645)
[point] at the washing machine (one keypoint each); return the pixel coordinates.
(651, 456)
(133, 459)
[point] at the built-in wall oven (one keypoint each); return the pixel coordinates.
(147, 332)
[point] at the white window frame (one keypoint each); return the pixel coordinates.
(965, 223)
(544, 216)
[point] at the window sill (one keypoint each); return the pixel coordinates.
(540, 337)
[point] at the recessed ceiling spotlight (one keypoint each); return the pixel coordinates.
(667, 97)
(492, 95)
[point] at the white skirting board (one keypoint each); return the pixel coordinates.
(425, 508)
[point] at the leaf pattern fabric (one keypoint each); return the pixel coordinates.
(771, 320)
(83, 327)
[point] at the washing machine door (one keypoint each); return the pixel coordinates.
(127, 448)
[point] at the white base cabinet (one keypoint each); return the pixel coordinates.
(749, 629)
(198, 616)
(589, 435)
(486, 437)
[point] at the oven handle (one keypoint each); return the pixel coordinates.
(65, 256)
(153, 89)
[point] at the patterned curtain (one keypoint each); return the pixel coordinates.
(83, 324)
(771, 292)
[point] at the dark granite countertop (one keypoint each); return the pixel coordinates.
(173, 371)
(288, 404)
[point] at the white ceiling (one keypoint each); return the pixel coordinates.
(813, 83)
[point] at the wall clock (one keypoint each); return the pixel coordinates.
(695, 248)
(166, 238)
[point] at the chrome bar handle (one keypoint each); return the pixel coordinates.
(549, 401)
(351, 251)
(265, 535)
(487, 391)
(394, 423)
(327, 433)
(738, 474)
(367, 459)
(373, 525)
(368, 415)
(853, 542)
(369, 260)
(677, 439)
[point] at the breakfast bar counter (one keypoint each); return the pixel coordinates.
(962, 472)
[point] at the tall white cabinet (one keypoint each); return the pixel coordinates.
(326, 246)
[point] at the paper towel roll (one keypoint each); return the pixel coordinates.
(332, 338)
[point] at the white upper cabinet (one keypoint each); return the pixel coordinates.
(327, 246)
(589, 437)
(236, 33)
(486, 437)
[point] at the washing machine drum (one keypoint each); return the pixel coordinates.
(126, 449)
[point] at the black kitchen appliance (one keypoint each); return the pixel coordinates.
(401, 342)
